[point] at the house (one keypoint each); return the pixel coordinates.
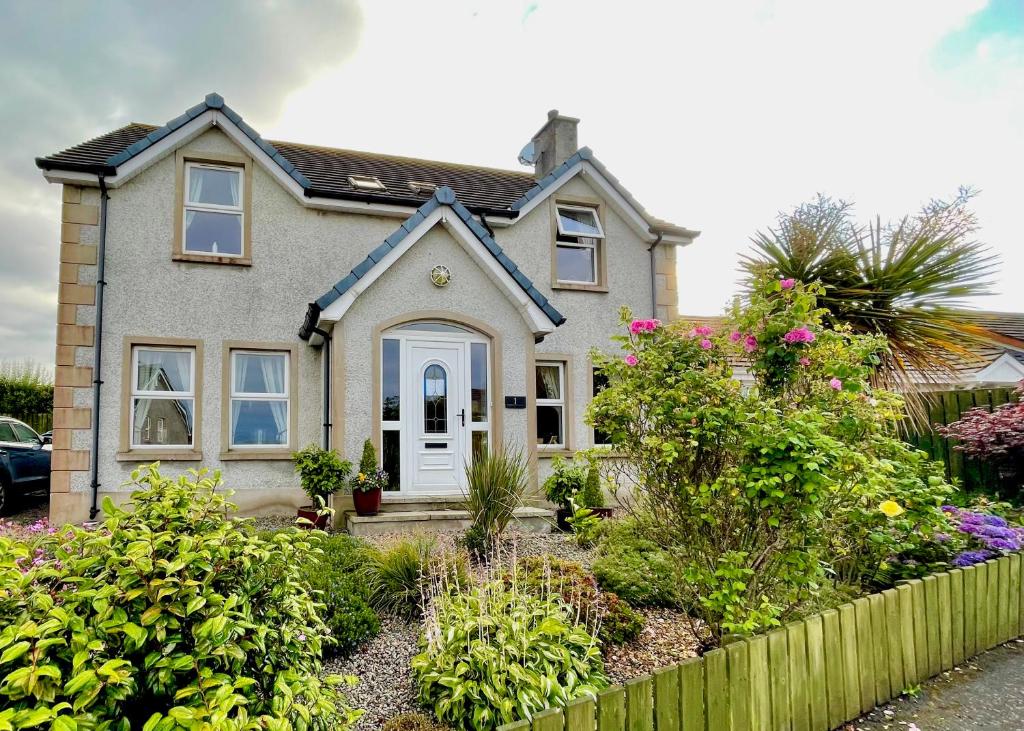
(225, 300)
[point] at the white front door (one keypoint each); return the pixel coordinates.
(436, 441)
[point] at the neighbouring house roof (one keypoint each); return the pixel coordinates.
(324, 171)
(443, 196)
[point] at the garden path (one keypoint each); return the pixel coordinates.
(985, 693)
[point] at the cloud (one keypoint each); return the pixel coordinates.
(74, 70)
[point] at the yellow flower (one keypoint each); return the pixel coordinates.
(891, 508)
(362, 477)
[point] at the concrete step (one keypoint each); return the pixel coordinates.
(531, 519)
(392, 503)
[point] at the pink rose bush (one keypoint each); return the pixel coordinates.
(799, 335)
(644, 326)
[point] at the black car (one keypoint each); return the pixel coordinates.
(24, 460)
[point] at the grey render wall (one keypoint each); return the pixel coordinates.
(298, 254)
(406, 287)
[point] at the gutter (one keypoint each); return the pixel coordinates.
(97, 382)
(654, 276)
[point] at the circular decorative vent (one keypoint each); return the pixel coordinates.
(440, 275)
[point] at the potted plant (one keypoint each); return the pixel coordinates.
(322, 473)
(368, 483)
(566, 480)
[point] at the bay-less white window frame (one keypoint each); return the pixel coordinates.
(190, 205)
(559, 402)
(575, 240)
(186, 395)
(282, 396)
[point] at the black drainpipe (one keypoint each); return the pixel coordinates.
(654, 278)
(98, 350)
(327, 385)
(483, 220)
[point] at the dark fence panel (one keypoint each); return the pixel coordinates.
(40, 422)
(946, 407)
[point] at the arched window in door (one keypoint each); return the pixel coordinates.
(435, 400)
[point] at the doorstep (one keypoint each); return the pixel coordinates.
(529, 519)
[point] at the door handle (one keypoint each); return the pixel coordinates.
(462, 416)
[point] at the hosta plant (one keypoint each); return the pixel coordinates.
(495, 655)
(169, 615)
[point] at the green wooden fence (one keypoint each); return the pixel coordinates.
(945, 408)
(818, 673)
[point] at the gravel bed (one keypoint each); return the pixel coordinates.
(28, 509)
(271, 522)
(666, 639)
(382, 665)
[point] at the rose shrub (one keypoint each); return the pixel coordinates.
(756, 493)
(166, 616)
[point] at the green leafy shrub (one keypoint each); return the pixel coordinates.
(496, 485)
(602, 613)
(321, 471)
(396, 576)
(636, 569)
(585, 525)
(345, 594)
(167, 616)
(412, 722)
(495, 655)
(369, 477)
(592, 495)
(566, 481)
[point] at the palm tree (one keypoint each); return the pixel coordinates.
(905, 280)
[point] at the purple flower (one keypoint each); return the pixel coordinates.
(735, 336)
(969, 558)
(1004, 544)
(631, 360)
(943, 537)
(750, 344)
(787, 283)
(702, 330)
(706, 344)
(836, 384)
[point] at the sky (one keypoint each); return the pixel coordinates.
(716, 116)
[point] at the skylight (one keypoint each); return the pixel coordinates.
(366, 182)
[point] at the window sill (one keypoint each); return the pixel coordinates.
(254, 454)
(161, 455)
(240, 261)
(545, 452)
(580, 287)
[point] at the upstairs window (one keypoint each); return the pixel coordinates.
(576, 244)
(214, 209)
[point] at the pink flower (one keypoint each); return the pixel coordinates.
(702, 330)
(799, 335)
(735, 336)
(805, 361)
(750, 344)
(631, 360)
(836, 384)
(787, 283)
(644, 326)
(706, 344)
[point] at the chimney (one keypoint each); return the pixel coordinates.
(554, 143)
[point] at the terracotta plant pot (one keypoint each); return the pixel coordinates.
(366, 503)
(310, 513)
